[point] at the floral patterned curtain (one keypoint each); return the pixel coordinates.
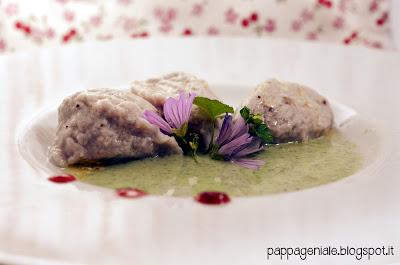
(26, 23)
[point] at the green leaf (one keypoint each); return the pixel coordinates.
(245, 113)
(264, 133)
(257, 126)
(257, 121)
(212, 107)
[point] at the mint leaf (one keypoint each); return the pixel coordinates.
(263, 132)
(212, 107)
(257, 126)
(245, 113)
(257, 120)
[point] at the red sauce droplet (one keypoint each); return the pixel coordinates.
(212, 197)
(131, 193)
(62, 179)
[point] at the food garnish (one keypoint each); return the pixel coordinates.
(212, 107)
(257, 126)
(175, 122)
(236, 138)
(234, 143)
(212, 198)
(61, 179)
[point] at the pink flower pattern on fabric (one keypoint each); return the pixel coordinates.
(197, 10)
(323, 20)
(231, 16)
(11, 9)
(2, 45)
(166, 17)
(69, 15)
(270, 25)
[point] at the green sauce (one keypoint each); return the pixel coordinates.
(288, 167)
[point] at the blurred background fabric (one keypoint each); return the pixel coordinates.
(26, 24)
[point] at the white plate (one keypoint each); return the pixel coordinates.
(66, 223)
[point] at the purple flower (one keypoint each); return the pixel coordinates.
(176, 114)
(235, 143)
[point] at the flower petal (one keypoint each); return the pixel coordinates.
(171, 113)
(254, 164)
(155, 119)
(253, 147)
(189, 106)
(239, 128)
(177, 112)
(227, 149)
(225, 130)
(181, 107)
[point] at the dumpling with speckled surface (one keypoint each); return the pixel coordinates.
(293, 112)
(158, 90)
(101, 124)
